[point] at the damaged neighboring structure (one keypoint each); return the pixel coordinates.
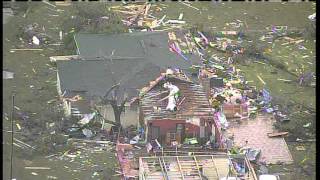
(266, 144)
(172, 109)
(136, 163)
(192, 117)
(81, 84)
(233, 105)
(210, 167)
(102, 60)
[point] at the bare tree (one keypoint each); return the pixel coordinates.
(118, 107)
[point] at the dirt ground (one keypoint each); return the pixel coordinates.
(34, 85)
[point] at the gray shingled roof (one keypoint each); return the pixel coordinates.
(96, 77)
(137, 59)
(153, 46)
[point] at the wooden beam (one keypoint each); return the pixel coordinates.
(215, 166)
(251, 170)
(180, 167)
(195, 160)
(163, 169)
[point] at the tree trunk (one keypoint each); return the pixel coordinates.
(117, 114)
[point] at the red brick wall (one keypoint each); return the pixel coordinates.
(170, 125)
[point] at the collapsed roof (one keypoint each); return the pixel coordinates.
(194, 102)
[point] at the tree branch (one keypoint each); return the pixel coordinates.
(122, 104)
(105, 97)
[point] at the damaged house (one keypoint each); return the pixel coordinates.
(191, 118)
(233, 105)
(82, 84)
(210, 167)
(133, 61)
(267, 144)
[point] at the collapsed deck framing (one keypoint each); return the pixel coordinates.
(194, 167)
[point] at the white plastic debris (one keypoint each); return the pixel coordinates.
(307, 125)
(35, 40)
(180, 16)
(312, 17)
(172, 96)
(268, 177)
(135, 139)
(230, 178)
(175, 22)
(87, 132)
(7, 75)
(169, 72)
(60, 35)
(87, 118)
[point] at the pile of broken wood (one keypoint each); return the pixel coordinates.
(138, 16)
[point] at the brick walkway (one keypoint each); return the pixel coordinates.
(273, 150)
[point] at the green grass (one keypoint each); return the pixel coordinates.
(212, 16)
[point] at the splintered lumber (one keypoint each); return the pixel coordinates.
(285, 80)
(261, 80)
(49, 4)
(126, 12)
(22, 143)
(277, 134)
(26, 49)
(147, 9)
(189, 6)
(91, 141)
(38, 168)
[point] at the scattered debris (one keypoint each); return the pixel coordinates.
(87, 132)
(312, 17)
(261, 80)
(307, 125)
(49, 4)
(35, 40)
(13, 50)
(269, 177)
(34, 173)
(184, 3)
(7, 75)
(52, 177)
(87, 118)
(277, 134)
(38, 168)
(300, 148)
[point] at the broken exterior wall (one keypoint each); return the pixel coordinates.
(58, 84)
(67, 107)
(230, 110)
(66, 103)
(128, 117)
(170, 126)
(165, 126)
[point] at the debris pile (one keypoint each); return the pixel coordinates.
(35, 35)
(139, 17)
